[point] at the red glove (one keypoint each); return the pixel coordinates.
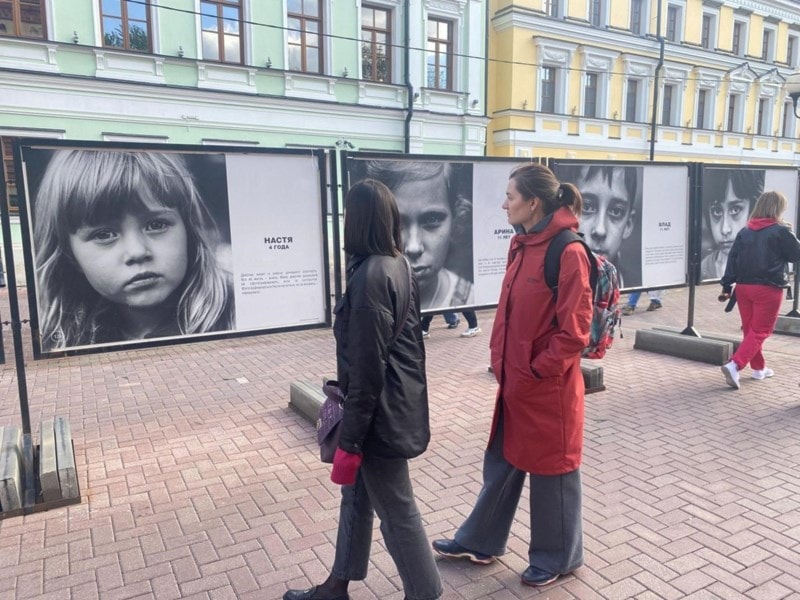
(345, 467)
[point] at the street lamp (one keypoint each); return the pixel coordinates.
(793, 89)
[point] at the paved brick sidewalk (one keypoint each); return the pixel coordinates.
(199, 482)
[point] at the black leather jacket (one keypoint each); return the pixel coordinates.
(386, 410)
(760, 257)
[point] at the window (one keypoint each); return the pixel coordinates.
(440, 54)
(8, 170)
(673, 23)
(126, 24)
(788, 125)
(23, 18)
(552, 8)
(702, 117)
(376, 44)
(305, 44)
(668, 111)
(596, 16)
(632, 101)
(767, 45)
(705, 37)
(791, 51)
(548, 103)
(764, 116)
(733, 112)
(638, 26)
(590, 95)
(738, 31)
(221, 22)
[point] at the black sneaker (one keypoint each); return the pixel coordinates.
(454, 324)
(536, 577)
(452, 549)
(653, 306)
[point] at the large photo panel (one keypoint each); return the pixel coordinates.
(636, 215)
(133, 245)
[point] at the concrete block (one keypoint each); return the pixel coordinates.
(788, 325)
(11, 482)
(65, 459)
(714, 352)
(592, 376)
(306, 398)
(48, 465)
(736, 341)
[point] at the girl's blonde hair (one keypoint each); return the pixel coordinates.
(91, 186)
(770, 205)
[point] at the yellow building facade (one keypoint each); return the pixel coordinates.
(579, 79)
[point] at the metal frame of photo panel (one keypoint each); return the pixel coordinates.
(698, 232)
(22, 184)
(554, 163)
(345, 156)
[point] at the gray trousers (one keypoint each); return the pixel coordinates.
(384, 485)
(556, 533)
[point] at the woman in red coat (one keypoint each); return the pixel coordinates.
(538, 419)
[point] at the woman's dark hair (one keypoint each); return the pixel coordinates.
(534, 180)
(371, 220)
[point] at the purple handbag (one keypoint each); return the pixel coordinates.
(329, 422)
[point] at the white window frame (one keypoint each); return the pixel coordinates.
(560, 8)
(764, 118)
(709, 81)
(601, 62)
(326, 68)
(603, 13)
(558, 54)
(645, 18)
(743, 40)
(449, 10)
(708, 119)
(772, 32)
(674, 107)
(678, 77)
(792, 60)
(393, 6)
(155, 39)
(738, 113)
(713, 32)
(679, 25)
(246, 31)
(642, 70)
(788, 119)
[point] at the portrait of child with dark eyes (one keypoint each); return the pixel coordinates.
(728, 199)
(125, 249)
(436, 220)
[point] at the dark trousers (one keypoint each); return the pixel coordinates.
(383, 486)
(556, 544)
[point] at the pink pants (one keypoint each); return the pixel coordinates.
(758, 306)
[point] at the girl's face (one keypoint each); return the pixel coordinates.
(426, 221)
(520, 211)
(137, 260)
(727, 217)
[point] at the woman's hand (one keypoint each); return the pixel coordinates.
(345, 467)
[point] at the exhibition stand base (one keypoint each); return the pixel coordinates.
(707, 349)
(788, 325)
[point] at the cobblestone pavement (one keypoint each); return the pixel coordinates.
(199, 482)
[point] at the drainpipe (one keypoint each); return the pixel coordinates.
(409, 86)
(486, 76)
(659, 66)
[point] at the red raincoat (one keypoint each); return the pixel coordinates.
(537, 363)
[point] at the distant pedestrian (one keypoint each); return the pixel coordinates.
(656, 298)
(756, 273)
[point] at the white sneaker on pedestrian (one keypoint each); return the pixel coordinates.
(731, 374)
(471, 332)
(762, 373)
(425, 334)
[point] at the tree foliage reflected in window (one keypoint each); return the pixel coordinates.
(376, 43)
(22, 18)
(126, 24)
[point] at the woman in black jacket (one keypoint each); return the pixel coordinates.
(381, 368)
(757, 267)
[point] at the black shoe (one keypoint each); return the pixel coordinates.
(308, 595)
(536, 577)
(452, 549)
(454, 324)
(653, 306)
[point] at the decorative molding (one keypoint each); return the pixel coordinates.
(454, 8)
(124, 66)
(229, 78)
(305, 85)
(28, 55)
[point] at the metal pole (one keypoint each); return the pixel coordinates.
(659, 66)
(695, 224)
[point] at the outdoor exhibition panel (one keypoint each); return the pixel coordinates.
(130, 244)
(637, 216)
(728, 197)
(455, 231)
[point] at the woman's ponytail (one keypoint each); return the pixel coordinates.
(570, 197)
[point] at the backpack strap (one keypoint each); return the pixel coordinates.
(552, 260)
(402, 322)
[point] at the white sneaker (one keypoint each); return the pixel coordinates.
(731, 374)
(426, 334)
(762, 373)
(471, 332)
